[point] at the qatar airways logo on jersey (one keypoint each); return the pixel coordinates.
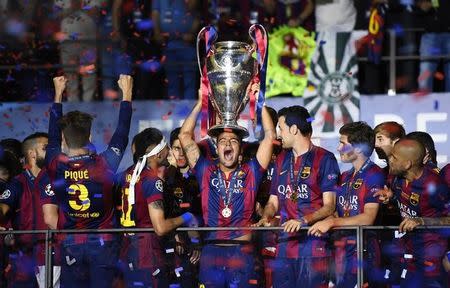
(287, 191)
(236, 189)
(406, 211)
(353, 205)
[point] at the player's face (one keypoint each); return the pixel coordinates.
(346, 150)
(162, 157)
(396, 163)
(228, 148)
(383, 146)
(41, 145)
(283, 133)
(179, 154)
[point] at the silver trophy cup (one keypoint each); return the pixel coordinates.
(230, 68)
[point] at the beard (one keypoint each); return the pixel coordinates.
(164, 163)
(381, 154)
(40, 162)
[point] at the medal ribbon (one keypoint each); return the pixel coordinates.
(224, 191)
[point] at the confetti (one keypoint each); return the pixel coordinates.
(156, 272)
(310, 119)
(439, 76)
(253, 282)
(404, 273)
(130, 265)
(185, 205)
(178, 271)
(386, 274)
(170, 250)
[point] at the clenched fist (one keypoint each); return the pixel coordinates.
(126, 85)
(60, 86)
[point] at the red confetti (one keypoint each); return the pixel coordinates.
(425, 74)
(185, 205)
(253, 282)
(5, 116)
(438, 75)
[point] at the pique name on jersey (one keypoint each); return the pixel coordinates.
(287, 190)
(76, 175)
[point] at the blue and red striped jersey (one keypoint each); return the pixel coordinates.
(148, 188)
(315, 172)
(357, 189)
(242, 199)
(423, 197)
(23, 198)
(83, 185)
(426, 196)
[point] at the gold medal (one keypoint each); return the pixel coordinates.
(226, 212)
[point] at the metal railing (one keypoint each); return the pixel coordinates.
(49, 236)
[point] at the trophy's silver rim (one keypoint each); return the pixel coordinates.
(239, 130)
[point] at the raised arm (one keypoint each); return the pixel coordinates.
(187, 137)
(264, 153)
(119, 140)
(54, 133)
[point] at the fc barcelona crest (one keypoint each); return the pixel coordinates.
(414, 199)
(178, 192)
(358, 183)
(305, 172)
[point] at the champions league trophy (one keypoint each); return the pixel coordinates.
(230, 69)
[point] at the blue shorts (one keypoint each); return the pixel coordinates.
(89, 264)
(227, 266)
(311, 272)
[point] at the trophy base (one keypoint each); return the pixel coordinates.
(217, 129)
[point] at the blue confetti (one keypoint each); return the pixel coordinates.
(322, 42)
(436, 105)
(144, 25)
(98, 195)
(310, 119)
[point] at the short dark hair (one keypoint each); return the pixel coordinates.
(427, 142)
(12, 145)
(174, 135)
(76, 127)
(360, 135)
(391, 129)
(297, 115)
(144, 139)
(30, 140)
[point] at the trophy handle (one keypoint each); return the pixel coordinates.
(255, 46)
(208, 43)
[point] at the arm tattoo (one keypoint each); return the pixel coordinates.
(189, 148)
(158, 204)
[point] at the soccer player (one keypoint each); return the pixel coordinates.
(181, 194)
(419, 192)
(302, 191)
(445, 174)
(430, 149)
(228, 192)
(143, 207)
(355, 202)
(20, 202)
(82, 182)
(386, 134)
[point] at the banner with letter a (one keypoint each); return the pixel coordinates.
(331, 95)
(290, 52)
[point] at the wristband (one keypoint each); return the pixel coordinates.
(187, 217)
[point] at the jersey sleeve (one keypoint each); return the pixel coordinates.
(274, 183)
(445, 175)
(11, 195)
(199, 168)
(257, 170)
(329, 173)
(46, 192)
(54, 133)
(153, 189)
(375, 182)
(119, 141)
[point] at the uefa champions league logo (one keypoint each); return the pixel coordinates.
(336, 87)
